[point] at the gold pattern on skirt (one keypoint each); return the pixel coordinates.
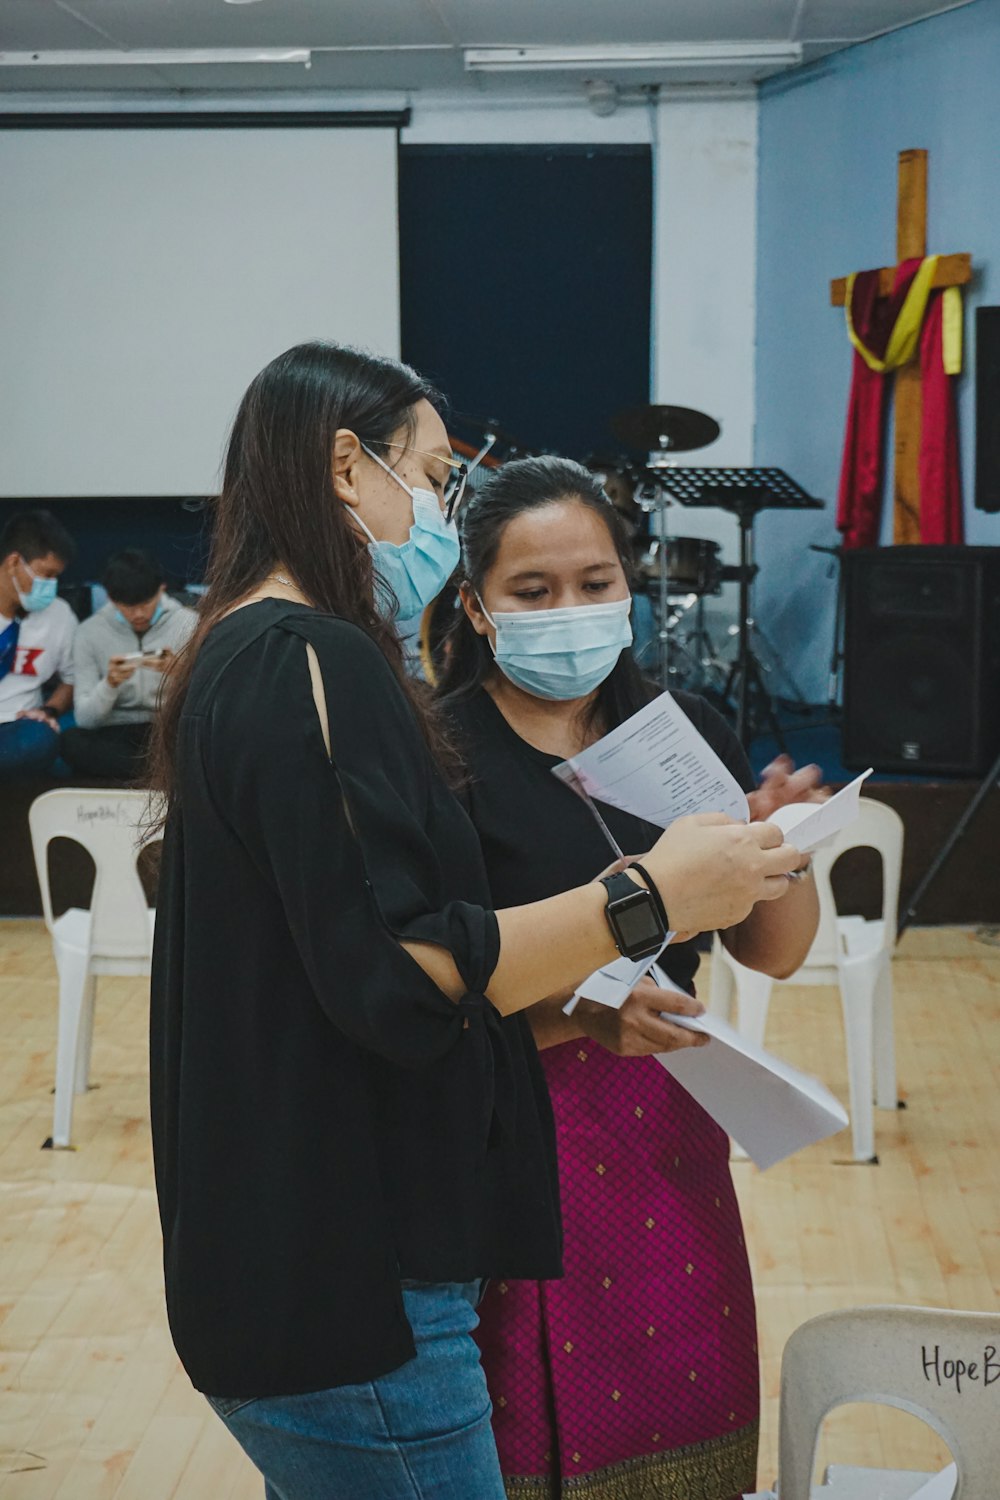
(715, 1470)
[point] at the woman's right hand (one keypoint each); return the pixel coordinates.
(711, 871)
(642, 1026)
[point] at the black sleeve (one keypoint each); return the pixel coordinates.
(348, 843)
(712, 727)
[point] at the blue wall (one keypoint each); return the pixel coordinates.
(829, 142)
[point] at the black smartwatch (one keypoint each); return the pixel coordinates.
(635, 916)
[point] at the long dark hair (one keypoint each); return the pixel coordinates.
(523, 485)
(278, 505)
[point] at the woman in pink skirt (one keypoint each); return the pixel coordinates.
(635, 1376)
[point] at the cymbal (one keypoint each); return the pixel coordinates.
(669, 429)
(480, 426)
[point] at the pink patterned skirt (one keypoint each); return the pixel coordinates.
(635, 1376)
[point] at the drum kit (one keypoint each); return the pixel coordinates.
(675, 575)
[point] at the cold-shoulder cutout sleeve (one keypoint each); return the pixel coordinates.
(365, 845)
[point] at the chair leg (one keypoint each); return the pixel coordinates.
(72, 986)
(857, 1000)
(753, 999)
(86, 1042)
(886, 1095)
(721, 986)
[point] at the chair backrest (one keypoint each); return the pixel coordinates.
(936, 1364)
(877, 827)
(109, 826)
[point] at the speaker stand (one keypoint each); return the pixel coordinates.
(991, 780)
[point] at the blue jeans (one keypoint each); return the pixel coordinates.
(26, 746)
(420, 1433)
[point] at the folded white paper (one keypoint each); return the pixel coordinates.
(770, 1108)
(809, 824)
(613, 984)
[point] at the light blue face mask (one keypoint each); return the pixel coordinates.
(157, 612)
(417, 570)
(561, 653)
(41, 593)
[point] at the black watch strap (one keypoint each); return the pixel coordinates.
(633, 915)
(654, 891)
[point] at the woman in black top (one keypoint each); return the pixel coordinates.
(349, 1127)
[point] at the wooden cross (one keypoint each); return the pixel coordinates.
(952, 270)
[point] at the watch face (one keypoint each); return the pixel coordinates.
(637, 922)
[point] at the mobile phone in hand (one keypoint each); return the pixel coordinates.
(141, 656)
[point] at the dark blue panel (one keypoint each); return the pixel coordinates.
(525, 284)
(175, 535)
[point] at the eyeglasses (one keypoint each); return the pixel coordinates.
(454, 487)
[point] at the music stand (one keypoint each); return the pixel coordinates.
(745, 492)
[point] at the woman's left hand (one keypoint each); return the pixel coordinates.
(781, 784)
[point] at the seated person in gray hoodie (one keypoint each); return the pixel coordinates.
(120, 655)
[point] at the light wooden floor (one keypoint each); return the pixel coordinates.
(93, 1405)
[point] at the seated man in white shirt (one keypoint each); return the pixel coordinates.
(120, 655)
(36, 641)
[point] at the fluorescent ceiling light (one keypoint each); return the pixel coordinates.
(649, 55)
(165, 57)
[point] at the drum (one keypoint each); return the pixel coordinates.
(693, 566)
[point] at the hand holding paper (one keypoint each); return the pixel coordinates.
(639, 1028)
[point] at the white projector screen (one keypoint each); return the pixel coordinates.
(147, 275)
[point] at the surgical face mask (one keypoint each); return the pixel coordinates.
(41, 593)
(157, 612)
(417, 570)
(561, 653)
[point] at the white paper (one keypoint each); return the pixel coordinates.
(809, 824)
(941, 1487)
(612, 985)
(656, 766)
(767, 1106)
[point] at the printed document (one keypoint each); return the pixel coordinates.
(657, 766)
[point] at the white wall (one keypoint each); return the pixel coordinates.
(705, 288)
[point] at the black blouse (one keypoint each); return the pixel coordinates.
(538, 837)
(325, 1121)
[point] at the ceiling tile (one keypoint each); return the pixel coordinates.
(853, 20)
(581, 22)
(274, 23)
(34, 25)
(27, 25)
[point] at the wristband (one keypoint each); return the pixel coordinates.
(654, 891)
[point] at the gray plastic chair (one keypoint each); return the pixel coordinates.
(908, 1357)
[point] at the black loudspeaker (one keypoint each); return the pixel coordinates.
(988, 408)
(922, 659)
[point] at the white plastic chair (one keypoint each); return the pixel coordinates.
(892, 1356)
(850, 952)
(114, 937)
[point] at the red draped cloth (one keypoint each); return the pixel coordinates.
(940, 469)
(859, 502)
